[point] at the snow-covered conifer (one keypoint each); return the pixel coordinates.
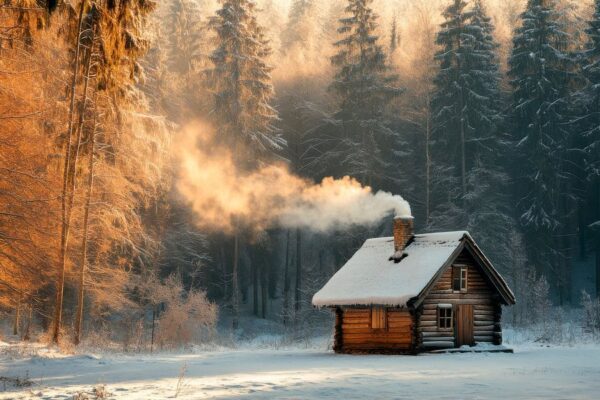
(184, 36)
(587, 140)
(365, 88)
(465, 103)
(243, 93)
(590, 95)
(470, 183)
(301, 29)
(241, 81)
(541, 71)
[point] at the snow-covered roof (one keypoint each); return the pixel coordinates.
(371, 277)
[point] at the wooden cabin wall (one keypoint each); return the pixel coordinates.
(357, 335)
(337, 336)
(486, 308)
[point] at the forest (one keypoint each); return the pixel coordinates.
(171, 170)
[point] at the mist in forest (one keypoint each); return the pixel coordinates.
(225, 197)
(302, 50)
(121, 203)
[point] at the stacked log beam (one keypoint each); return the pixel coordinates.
(359, 336)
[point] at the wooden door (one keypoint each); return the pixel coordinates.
(464, 325)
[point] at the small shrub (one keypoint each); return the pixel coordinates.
(100, 392)
(590, 319)
(189, 317)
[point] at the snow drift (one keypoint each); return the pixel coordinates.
(223, 196)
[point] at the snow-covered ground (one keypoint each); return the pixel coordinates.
(532, 372)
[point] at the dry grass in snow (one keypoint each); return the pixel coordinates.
(533, 372)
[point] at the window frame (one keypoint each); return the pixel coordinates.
(382, 318)
(448, 319)
(462, 272)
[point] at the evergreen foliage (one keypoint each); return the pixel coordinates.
(466, 101)
(300, 25)
(241, 81)
(587, 143)
(185, 36)
(360, 129)
(590, 96)
(541, 72)
(470, 183)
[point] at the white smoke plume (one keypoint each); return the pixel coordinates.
(224, 197)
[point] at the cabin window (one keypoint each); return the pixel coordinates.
(459, 278)
(378, 317)
(444, 316)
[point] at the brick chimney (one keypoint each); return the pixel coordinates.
(403, 231)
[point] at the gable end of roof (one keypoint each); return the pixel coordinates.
(467, 243)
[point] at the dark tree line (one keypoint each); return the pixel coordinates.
(513, 157)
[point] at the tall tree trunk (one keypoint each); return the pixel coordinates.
(463, 157)
(596, 203)
(463, 163)
(224, 271)
(427, 160)
(321, 269)
(27, 333)
(84, 246)
(60, 286)
(598, 265)
(154, 312)
(235, 290)
(264, 291)
(254, 269)
(297, 294)
(88, 195)
(581, 229)
(17, 320)
(516, 286)
(286, 280)
(566, 242)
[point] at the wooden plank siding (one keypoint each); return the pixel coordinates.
(357, 334)
(411, 330)
(480, 294)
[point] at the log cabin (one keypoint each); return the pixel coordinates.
(410, 293)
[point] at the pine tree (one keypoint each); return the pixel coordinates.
(487, 204)
(300, 28)
(465, 109)
(185, 36)
(365, 88)
(394, 36)
(182, 45)
(417, 107)
(449, 122)
(242, 87)
(241, 80)
(486, 115)
(588, 123)
(590, 96)
(541, 70)
(471, 183)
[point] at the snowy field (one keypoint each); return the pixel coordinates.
(531, 373)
